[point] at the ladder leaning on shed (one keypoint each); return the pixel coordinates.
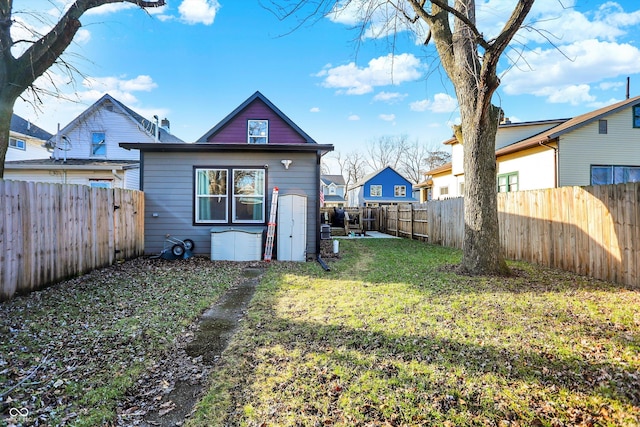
(271, 230)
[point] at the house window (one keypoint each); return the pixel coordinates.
(636, 116)
(17, 143)
(248, 195)
(100, 183)
(375, 191)
(258, 131)
(444, 191)
(603, 175)
(332, 190)
(400, 191)
(602, 127)
(211, 195)
(98, 145)
(508, 182)
(233, 193)
(461, 189)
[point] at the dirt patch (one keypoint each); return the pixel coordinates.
(166, 394)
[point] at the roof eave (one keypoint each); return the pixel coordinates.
(217, 147)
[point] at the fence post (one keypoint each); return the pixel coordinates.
(411, 221)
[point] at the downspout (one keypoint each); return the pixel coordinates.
(555, 161)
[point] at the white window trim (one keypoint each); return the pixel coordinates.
(197, 198)
(234, 196)
(403, 189)
(230, 197)
(24, 143)
(371, 190)
(104, 142)
(249, 136)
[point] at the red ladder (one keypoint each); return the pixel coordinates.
(271, 230)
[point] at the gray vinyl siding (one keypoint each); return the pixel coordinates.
(169, 192)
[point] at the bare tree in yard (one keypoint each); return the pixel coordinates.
(470, 61)
(352, 167)
(386, 151)
(417, 159)
(17, 74)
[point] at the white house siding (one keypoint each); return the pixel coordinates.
(117, 127)
(457, 159)
(169, 192)
(535, 168)
(620, 146)
(131, 179)
(445, 180)
(33, 149)
(81, 177)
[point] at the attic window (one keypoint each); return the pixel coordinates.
(636, 116)
(98, 146)
(602, 127)
(258, 131)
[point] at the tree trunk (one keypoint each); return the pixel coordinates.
(6, 111)
(482, 252)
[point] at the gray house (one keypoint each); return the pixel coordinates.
(218, 191)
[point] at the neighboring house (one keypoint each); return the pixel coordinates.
(596, 148)
(26, 141)
(218, 191)
(86, 151)
(384, 187)
(334, 190)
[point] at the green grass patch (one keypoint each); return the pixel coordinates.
(393, 336)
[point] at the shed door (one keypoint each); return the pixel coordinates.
(292, 227)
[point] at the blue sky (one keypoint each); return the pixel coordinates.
(194, 61)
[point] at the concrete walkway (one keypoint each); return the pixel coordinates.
(370, 234)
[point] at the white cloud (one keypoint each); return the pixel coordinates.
(574, 65)
(70, 100)
(383, 71)
(442, 103)
(387, 117)
(198, 11)
(107, 84)
(353, 117)
(314, 110)
(110, 8)
(572, 94)
(390, 97)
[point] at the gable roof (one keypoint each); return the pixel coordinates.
(565, 127)
(147, 126)
(25, 127)
(367, 177)
(256, 96)
(335, 179)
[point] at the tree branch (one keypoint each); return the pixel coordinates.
(471, 25)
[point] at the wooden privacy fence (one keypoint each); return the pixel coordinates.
(593, 231)
(49, 232)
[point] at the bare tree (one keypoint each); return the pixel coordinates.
(352, 167)
(386, 151)
(470, 61)
(17, 74)
(414, 161)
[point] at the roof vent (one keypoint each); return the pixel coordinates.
(164, 124)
